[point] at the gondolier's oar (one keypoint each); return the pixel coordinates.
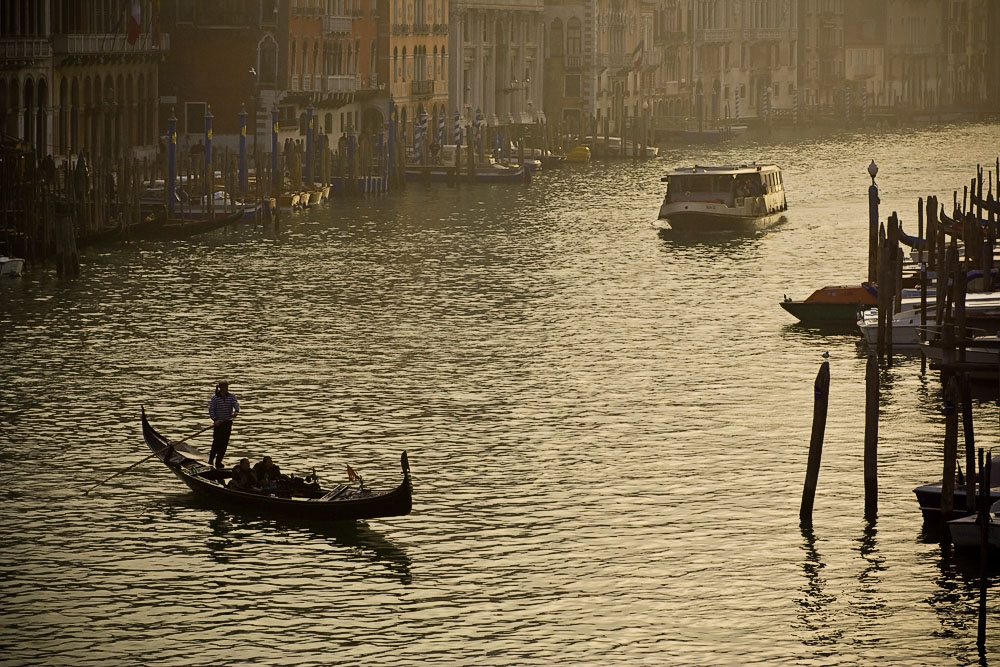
(146, 458)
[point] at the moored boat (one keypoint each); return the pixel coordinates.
(732, 198)
(341, 503)
(929, 497)
(966, 532)
(833, 304)
(11, 266)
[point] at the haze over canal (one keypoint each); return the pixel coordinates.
(607, 428)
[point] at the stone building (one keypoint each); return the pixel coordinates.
(80, 76)
(417, 34)
(497, 64)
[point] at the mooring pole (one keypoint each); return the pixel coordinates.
(820, 402)
(970, 444)
(873, 202)
(950, 444)
(871, 436)
(984, 514)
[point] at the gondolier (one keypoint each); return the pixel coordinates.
(222, 410)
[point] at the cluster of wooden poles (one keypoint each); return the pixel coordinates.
(976, 225)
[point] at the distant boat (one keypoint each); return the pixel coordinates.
(578, 154)
(736, 198)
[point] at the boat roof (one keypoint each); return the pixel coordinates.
(751, 168)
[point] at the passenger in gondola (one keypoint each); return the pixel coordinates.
(244, 478)
(268, 474)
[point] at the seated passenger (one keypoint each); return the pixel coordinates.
(267, 473)
(244, 478)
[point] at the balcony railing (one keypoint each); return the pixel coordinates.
(440, 28)
(764, 34)
(715, 35)
(97, 44)
(13, 47)
(339, 83)
(573, 61)
(421, 29)
(423, 88)
(400, 29)
(337, 25)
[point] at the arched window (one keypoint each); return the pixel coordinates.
(268, 59)
(403, 63)
(556, 39)
(395, 64)
(574, 38)
(434, 64)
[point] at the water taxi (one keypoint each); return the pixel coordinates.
(735, 198)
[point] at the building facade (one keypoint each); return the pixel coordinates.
(80, 76)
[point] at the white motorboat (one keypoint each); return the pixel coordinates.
(982, 311)
(10, 266)
(736, 198)
(966, 533)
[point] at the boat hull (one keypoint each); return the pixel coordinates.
(11, 267)
(838, 313)
(684, 219)
(966, 534)
(929, 499)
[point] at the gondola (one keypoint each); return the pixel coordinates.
(342, 503)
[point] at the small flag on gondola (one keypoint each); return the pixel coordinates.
(351, 475)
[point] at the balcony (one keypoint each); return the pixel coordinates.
(12, 48)
(715, 35)
(337, 25)
(764, 34)
(105, 44)
(615, 60)
(573, 61)
(422, 88)
(421, 29)
(339, 83)
(440, 29)
(400, 29)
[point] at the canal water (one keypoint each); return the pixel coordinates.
(608, 431)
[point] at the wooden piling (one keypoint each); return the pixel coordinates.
(950, 444)
(821, 398)
(984, 497)
(970, 444)
(871, 436)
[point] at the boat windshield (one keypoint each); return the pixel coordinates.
(701, 187)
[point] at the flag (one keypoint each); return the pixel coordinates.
(351, 475)
(637, 55)
(134, 21)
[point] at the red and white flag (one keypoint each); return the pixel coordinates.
(134, 21)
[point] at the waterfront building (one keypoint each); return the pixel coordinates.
(224, 60)
(417, 54)
(967, 57)
(497, 69)
(80, 77)
(821, 74)
(914, 46)
(864, 55)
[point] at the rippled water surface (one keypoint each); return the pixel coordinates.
(608, 431)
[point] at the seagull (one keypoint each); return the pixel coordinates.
(253, 71)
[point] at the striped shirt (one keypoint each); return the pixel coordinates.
(223, 407)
